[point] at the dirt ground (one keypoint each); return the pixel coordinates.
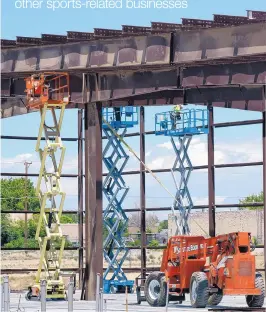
(30, 260)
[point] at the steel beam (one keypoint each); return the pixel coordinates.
(129, 270)
(221, 206)
(132, 172)
(93, 197)
(211, 174)
(237, 123)
(216, 125)
(142, 193)
(80, 194)
(17, 137)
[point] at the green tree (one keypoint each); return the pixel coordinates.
(111, 222)
(254, 198)
(15, 193)
(163, 225)
(15, 233)
(136, 243)
(154, 243)
(69, 218)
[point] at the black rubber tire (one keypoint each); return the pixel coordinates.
(257, 301)
(138, 295)
(215, 299)
(113, 289)
(160, 301)
(202, 295)
(28, 295)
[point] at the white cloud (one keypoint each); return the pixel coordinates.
(148, 154)
(241, 151)
(161, 162)
(224, 153)
(204, 200)
(17, 161)
(167, 145)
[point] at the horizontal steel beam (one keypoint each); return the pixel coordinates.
(16, 271)
(128, 270)
(76, 248)
(133, 172)
(28, 249)
(196, 207)
(29, 138)
(236, 86)
(238, 123)
(201, 45)
(134, 134)
(35, 212)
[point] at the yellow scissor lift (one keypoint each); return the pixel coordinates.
(48, 93)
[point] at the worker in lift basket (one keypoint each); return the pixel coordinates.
(175, 115)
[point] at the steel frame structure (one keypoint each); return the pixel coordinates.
(182, 73)
(211, 171)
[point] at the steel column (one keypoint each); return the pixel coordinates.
(93, 197)
(264, 170)
(142, 193)
(80, 194)
(211, 174)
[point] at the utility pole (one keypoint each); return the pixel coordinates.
(26, 164)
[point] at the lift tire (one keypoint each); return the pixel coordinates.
(138, 295)
(28, 295)
(199, 290)
(254, 301)
(155, 289)
(113, 289)
(215, 299)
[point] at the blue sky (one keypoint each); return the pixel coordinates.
(33, 22)
(237, 144)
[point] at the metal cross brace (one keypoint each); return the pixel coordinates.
(115, 219)
(183, 202)
(50, 214)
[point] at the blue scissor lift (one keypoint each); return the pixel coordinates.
(115, 191)
(182, 126)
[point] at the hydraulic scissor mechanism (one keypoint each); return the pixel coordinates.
(49, 93)
(115, 191)
(181, 127)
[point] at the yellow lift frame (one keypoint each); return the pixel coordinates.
(49, 92)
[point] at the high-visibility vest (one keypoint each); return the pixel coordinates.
(177, 108)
